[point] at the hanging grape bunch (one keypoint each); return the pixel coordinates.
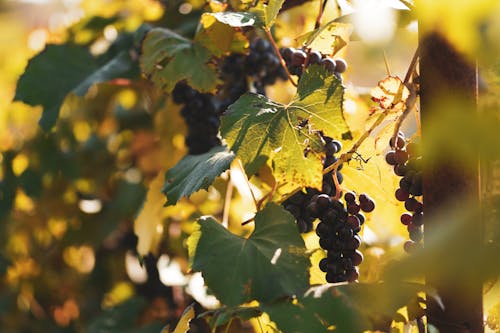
(202, 117)
(299, 204)
(202, 111)
(338, 234)
(297, 60)
(407, 162)
(261, 65)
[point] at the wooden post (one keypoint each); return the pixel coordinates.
(444, 73)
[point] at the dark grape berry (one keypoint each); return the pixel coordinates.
(406, 218)
(367, 205)
(286, 53)
(350, 197)
(400, 156)
(323, 201)
(329, 65)
(400, 142)
(353, 208)
(314, 58)
(401, 195)
(298, 58)
(323, 264)
(340, 65)
(390, 158)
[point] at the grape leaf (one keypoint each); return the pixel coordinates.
(256, 127)
(195, 172)
(220, 37)
(119, 66)
(329, 38)
(267, 12)
(347, 307)
(50, 76)
(150, 216)
(269, 264)
(224, 314)
(168, 58)
(60, 70)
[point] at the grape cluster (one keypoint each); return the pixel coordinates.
(262, 65)
(297, 60)
(202, 111)
(338, 234)
(300, 204)
(407, 162)
(202, 115)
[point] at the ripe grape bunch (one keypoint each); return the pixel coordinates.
(261, 65)
(297, 60)
(202, 111)
(338, 234)
(202, 115)
(299, 204)
(407, 162)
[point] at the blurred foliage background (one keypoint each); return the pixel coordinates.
(69, 197)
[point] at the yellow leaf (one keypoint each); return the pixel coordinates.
(220, 38)
(390, 93)
(148, 225)
(328, 39)
(183, 325)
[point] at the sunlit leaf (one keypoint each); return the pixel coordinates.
(390, 93)
(168, 58)
(149, 218)
(195, 172)
(328, 39)
(220, 37)
(257, 128)
(267, 12)
(271, 263)
(343, 308)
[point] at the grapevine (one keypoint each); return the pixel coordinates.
(206, 166)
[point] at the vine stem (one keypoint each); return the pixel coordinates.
(227, 202)
(346, 157)
(242, 169)
(322, 6)
(412, 99)
(277, 51)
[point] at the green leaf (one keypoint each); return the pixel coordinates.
(60, 70)
(271, 263)
(347, 308)
(195, 172)
(257, 128)
(50, 76)
(115, 68)
(267, 12)
(223, 315)
(168, 58)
